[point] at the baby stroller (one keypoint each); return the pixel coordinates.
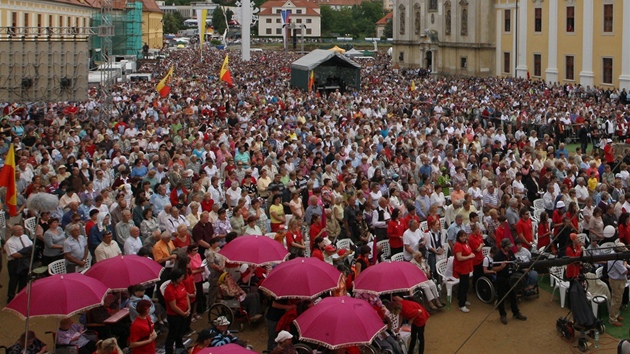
(583, 318)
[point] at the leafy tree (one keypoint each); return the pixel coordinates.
(173, 22)
(388, 32)
(357, 21)
(218, 19)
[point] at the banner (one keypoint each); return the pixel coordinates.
(202, 14)
(286, 19)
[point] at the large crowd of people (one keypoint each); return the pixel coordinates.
(444, 169)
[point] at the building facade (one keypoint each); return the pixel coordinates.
(583, 42)
(42, 14)
(152, 24)
(304, 13)
(448, 37)
(380, 24)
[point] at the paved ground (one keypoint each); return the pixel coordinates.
(448, 331)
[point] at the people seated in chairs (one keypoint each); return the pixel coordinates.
(429, 289)
(70, 333)
(221, 335)
(96, 320)
(33, 345)
(249, 301)
(385, 340)
(488, 268)
(523, 255)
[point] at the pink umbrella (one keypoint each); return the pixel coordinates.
(61, 295)
(121, 272)
(254, 249)
(226, 349)
(387, 278)
(301, 278)
(338, 322)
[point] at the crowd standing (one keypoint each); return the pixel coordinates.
(442, 170)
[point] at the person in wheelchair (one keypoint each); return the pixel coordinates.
(488, 269)
(33, 345)
(221, 335)
(249, 301)
(522, 254)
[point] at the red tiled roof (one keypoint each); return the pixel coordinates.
(85, 3)
(267, 8)
(150, 6)
(383, 21)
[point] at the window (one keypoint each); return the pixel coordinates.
(309, 31)
(507, 62)
(39, 20)
(268, 31)
(26, 24)
(433, 5)
(537, 65)
(464, 30)
(569, 67)
(60, 23)
(507, 20)
(538, 19)
(570, 18)
(299, 20)
(608, 18)
(278, 11)
(401, 56)
(268, 20)
(50, 21)
(278, 20)
(14, 21)
(447, 30)
(463, 62)
(278, 31)
(308, 20)
(607, 71)
(298, 11)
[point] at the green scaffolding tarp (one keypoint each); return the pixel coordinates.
(127, 23)
(325, 64)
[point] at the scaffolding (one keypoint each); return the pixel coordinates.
(126, 19)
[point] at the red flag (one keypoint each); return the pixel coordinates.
(224, 74)
(162, 88)
(7, 179)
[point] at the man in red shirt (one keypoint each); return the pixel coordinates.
(609, 153)
(415, 314)
(524, 229)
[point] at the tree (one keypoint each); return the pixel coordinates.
(173, 22)
(388, 32)
(357, 21)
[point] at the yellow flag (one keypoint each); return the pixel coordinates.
(161, 86)
(413, 86)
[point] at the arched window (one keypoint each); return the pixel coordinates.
(433, 5)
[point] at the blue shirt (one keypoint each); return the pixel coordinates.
(158, 202)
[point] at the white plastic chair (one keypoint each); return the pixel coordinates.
(30, 224)
(537, 213)
(424, 227)
(163, 286)
(347, 244)
(450, 283)
(387, 251)
(398, 257)
(57, 267)
(88, 264)
(485, 251)
(559, 283)
(539, 204)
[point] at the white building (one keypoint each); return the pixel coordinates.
(304, 14)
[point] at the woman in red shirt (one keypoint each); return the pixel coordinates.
(573, 250)
(462, 266)
(395, 231)
(414, 313)
(177, 310)
(316, 230)
(475, 240)
(295, 240)
(317, 250)
(142, 333)
(624, 228)
(543, 231)
(573, 214)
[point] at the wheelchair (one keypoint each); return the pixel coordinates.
(231, 308)
(487, 293)
(303, 348)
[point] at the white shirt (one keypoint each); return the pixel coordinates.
(105, 251)
(411, 239)
(14, 244)
(581, 192)
(133, 245)
(172, 223)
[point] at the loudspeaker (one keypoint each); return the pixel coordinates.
(65, 82)
(27, 83)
